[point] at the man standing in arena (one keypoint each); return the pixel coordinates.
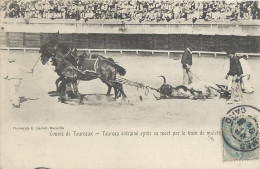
(234, 78)
(186, 61)
(246, 85)
(14, 76)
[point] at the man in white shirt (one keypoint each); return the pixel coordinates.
(246, 85)
(14, 76)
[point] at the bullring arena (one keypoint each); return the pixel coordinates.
(36, 92)
(146, 51)
(144, 57)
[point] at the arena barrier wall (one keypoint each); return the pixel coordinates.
(121, 42)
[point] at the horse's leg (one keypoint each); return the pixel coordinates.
(122, 90)
(116, 91)
(63, 91)
(119, 90)
(109, 89)
(75, 86)
(57, 83)
(109, 85)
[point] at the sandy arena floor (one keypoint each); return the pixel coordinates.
(38, 105)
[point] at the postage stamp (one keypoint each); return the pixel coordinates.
(240, 133)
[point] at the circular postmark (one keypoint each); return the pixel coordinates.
(240, 128)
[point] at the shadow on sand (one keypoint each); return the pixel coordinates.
(24, 99)
(89, 99)
(53, 93)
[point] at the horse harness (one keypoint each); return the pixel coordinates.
(65, 65)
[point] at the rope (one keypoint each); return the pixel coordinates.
(36, 62)
(195, 75)
(135, 84)
(129, 82)
(35, 65)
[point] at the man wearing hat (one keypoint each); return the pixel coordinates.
(14, 76)
(186, 62)
(234, 78)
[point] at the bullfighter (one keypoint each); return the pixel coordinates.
(234, 78)
(186, 62)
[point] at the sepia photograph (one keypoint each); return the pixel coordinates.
(129, 84)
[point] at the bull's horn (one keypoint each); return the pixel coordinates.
(164, 79)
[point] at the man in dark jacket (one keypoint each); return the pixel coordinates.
(186, 61)
(234, 76)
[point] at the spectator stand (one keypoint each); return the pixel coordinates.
(145, 10)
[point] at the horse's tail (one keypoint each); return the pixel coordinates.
(120, 69)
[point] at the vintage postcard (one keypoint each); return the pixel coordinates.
(129, 84)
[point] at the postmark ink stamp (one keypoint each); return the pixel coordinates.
(240, 133)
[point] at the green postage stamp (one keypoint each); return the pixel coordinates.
(240, 134)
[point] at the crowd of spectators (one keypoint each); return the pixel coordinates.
(140, 10)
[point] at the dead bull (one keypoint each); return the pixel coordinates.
(197, 90)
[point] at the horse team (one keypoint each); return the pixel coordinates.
(73, 68)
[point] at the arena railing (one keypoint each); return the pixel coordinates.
(199, 53)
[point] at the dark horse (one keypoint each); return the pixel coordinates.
(86, 62)
(70, 72)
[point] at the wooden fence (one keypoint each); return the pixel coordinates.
(150, 42)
